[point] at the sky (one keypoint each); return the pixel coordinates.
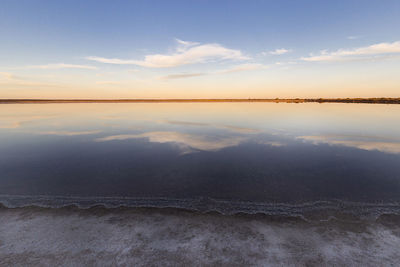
(199, 49)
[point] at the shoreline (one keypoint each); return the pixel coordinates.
(323, 210)
(148, 237)
(276, 100)
(309, 217)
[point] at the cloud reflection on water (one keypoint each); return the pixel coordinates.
(360, 142)
(185, 141)
(70, 133)
(14, 122)
(233, 128)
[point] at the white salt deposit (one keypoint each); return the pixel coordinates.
(101, 237)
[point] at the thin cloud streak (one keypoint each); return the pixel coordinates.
(185, 43)
(181, 76)
(10, 79)
(278, 52)
(7, 75)
(366, 52)
(353, 37)
(62, 66)
(243, 67)
(233, 69)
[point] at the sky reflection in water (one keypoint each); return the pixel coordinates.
(243, 151)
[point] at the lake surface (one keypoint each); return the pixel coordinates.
(273, 158)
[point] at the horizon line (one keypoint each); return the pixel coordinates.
(378, 100)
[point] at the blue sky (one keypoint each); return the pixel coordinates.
(212, 48)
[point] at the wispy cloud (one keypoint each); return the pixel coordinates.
(10, 79)
(185, 43)
(62, 66)
(243, 67)
(277, 52)
(186, 53)
(181, 76)
(280, 51)
(113, 60)
(353, 37)
(7, 76)
(361, 53)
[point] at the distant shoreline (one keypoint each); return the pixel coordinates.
(275, 100)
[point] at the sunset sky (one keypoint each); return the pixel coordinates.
(199, 49)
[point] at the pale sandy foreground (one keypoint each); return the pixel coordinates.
(149, 237)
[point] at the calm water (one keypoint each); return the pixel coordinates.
(222, 156)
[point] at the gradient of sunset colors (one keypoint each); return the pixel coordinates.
(199, 49)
